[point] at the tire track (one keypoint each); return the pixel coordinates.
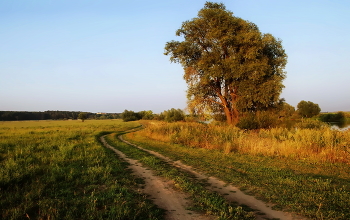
(228, 191)
(161, 191)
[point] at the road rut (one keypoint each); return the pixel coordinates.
(161, 191)
(229, 192)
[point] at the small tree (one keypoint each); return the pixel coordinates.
(130, 116)
(286, 110)
(173, 115)
(82, 116)
(146, 115)
(308, 109)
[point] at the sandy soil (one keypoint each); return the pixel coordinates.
(161, 191)
(231, 193)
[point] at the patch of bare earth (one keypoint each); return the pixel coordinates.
(161, 191)
(230, 192)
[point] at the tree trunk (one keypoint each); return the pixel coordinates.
(231, 116)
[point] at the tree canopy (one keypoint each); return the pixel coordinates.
(173, 115)
(130, 115)
(230, 66)
(308, 109)
(82, 116)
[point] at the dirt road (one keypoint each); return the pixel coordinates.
(161, 191)
(175, 202)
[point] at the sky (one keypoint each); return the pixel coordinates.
(108, 55)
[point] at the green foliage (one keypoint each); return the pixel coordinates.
(261, 119)
(331, 117)
(130, 116)
(52, 115)
(308, 109)
(230, 66)
(159, 117)
(249, 122)
(173, 115)
(219, 117)
(82, 116)
(286, 110)
(146, 115)
(310, 124)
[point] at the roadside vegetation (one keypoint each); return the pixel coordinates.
(60, 170)
(305, 169)
(309, 139)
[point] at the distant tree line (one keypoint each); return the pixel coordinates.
(170, 115)
(52, 115)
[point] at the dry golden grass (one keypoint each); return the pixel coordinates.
(322, 144)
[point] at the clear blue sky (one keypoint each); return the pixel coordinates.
(107, 55)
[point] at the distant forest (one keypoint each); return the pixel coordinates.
(52, 115)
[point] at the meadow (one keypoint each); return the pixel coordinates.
(60, 170)
(310, 140)
(303, 170)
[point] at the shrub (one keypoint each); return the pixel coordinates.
(146, 115)
(262, 119)
(130, 116)
(308, 109)
(310, 124)
(219, 117)
(330, 117)
(249, 122)
(173, 115)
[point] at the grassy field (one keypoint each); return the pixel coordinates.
(59, 170)
(305, 171)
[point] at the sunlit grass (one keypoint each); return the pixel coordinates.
(323, 145)
(316, 186)
(60, 170)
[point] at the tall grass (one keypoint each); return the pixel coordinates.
(310, 186)
(60, 170)
(320, 144)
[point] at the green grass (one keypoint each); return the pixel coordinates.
(204, 200)
(60, 170)
(318, 190)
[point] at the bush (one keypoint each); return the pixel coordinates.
(262, 119)
(146, 115)
(130, 116)
(330, 117)
(219, 117)
(249, 122)
(308, 109)
(173, 115)
(310, 124)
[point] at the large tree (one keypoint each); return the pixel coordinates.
(230, 66)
